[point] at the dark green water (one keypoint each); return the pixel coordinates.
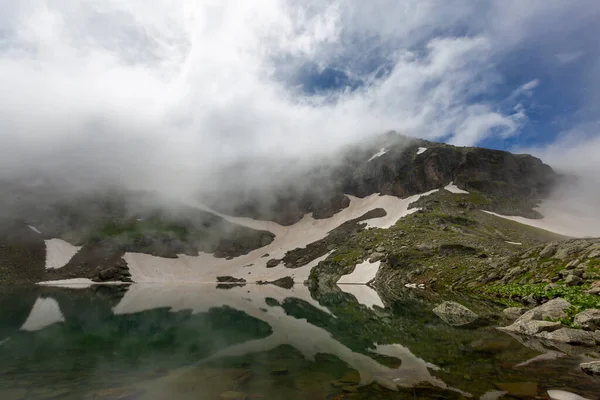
(200, 342)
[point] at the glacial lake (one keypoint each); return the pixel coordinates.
(264, 342)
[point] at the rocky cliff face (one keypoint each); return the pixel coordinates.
(513, 183)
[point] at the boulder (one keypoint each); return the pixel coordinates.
(573, 280)
(455, 314)
(594, 290)
(554, 309)
(570, 336)
(591, 368)
(513, 312)
(551, 286)
(577, 272)
(107, 273)
(376, 257)
(588, 319)
(549, 250)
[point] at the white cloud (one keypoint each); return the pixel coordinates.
(161, 93)
(566, 58)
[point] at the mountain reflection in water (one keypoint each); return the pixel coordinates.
(182, 341)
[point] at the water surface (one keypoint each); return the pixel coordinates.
(263, 342)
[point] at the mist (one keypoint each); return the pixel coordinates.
(162, 96)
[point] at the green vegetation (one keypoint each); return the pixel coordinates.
(573, 294)
(478, 199)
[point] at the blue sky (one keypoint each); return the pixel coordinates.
(194, 85)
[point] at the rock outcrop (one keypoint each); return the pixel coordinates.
(542, 322)
(513, 182)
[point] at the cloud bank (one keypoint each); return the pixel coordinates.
(161, 94)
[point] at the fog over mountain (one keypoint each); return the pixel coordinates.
(161, 96)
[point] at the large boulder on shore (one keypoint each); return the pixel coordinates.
(534, 321)
(455, 314)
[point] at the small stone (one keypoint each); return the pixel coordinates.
(273, 263)
(231, 395)
(572, 264)
(380, 249)
(530, 300)
(588, 319)
(551, 286)
(591, 368)
(577, 272)
(573, 280)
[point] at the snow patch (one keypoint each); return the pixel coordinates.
(59, 253)
(414, 286)
(4, 341)
(421, 150)
(515, 243)
(77, 283)
(558, 218)
(205, 268)
(451, 187)
(363, 273)
(45, 312)
(363, 294)
(33, 228)
(381, 152)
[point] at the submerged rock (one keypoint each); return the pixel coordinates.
(533, 327)
(455, 314)
(570, 336)
(588, 319)
(591, 368)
